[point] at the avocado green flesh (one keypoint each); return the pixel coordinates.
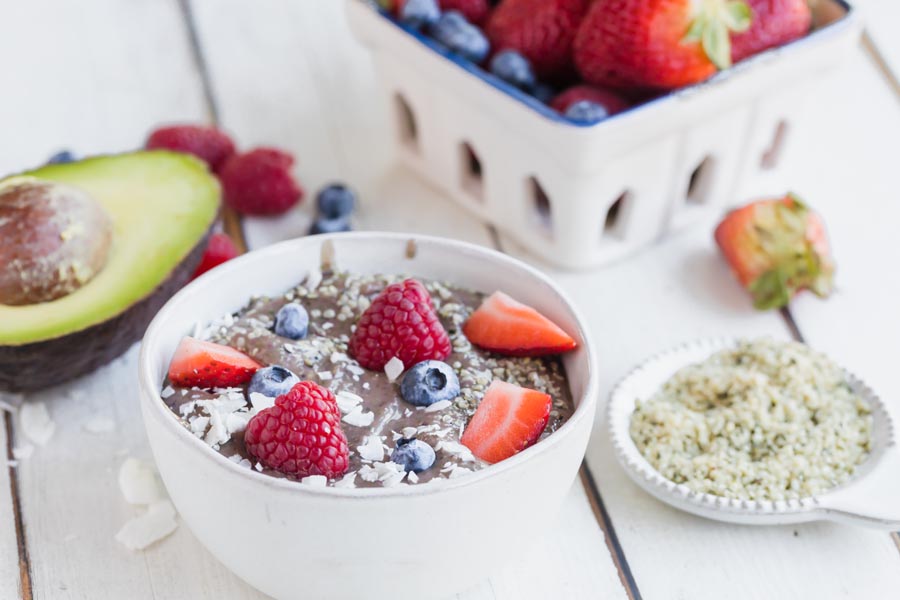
(162, 204)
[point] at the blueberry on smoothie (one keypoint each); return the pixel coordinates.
(413, 455)
(428, 382)
(272, 381)
(292, 321)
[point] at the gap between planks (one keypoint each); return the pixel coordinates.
(22, 546)
(231, 220)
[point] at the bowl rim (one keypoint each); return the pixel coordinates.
(150, 389)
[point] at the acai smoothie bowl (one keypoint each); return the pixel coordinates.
(368, 414)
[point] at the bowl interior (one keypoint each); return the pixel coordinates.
(273, 270)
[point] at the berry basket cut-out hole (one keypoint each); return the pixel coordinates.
(700, 182)
(406, 120)
(472, 173)
(540, 205)
(772, 154)
(616, 217)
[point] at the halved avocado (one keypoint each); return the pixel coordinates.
(162, 206)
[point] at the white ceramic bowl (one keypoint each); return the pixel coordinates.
(290, 540)
(871, 498)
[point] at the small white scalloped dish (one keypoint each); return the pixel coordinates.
(870, 498)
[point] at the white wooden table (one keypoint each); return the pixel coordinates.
(96, 75)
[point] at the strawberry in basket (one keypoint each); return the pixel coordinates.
(773, 23)
(777, 248)
(657, 44)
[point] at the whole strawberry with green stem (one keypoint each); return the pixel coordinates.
(777, 248)
(657, 44)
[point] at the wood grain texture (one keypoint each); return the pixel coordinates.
(14, 576)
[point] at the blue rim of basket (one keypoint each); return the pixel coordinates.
(547, 112)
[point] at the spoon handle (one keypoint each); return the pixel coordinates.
(873, 500)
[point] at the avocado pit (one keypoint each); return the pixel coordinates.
(55, 238)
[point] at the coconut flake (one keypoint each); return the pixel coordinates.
(409, 432)
(260, 402)
(393, 369)
(459, 472)
(167, 392)
(99, 424)
(36, 422)
(371, 449)
(139, 483)
(456, 449)
(148, 528)
(347, 481)
(313, 280)
(240, 460)
(412, 477)
(348, 401)
(22, 452)
(315, 481)
(359, 418)
(440, 405)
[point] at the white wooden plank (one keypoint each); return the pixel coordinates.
(10, 586)
(330, 121)
(882, 17)
(853, 184)
(95, 77)
(679, 290)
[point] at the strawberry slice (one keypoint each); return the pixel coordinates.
(775, 249)
(204, 364)
(506, 326)
(508, 420)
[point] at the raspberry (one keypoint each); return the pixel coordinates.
(613, 103)
(402, 323)
(220, 249)
(209, 144)
(260, 182)
(542, 30)
(475, 11)
(301, 435)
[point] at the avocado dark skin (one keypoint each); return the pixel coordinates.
(25, 368)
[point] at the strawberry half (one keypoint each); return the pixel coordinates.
(508, 420)
(775, 249)
(204, 364)
(508, 327)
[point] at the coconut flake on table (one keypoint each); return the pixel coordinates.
(371, 449)
(139, 482)
(22, 452)
(99, 424)
(144, 530)
(393, 369)
(36, 422)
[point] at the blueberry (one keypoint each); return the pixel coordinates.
(417, 13)
(413, 455)
(428, 382)
(272, 381)
(292, 321)
(513, 68)
(335, 200)
(543, 92)
(585, 111)
(326, 225)
(453, 31)
(61, 157)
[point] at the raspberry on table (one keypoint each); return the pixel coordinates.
(401, 322)
(260, 182)
(301, 435)
(207, 143)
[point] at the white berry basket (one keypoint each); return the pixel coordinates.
(581, 196)
(870, 498)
